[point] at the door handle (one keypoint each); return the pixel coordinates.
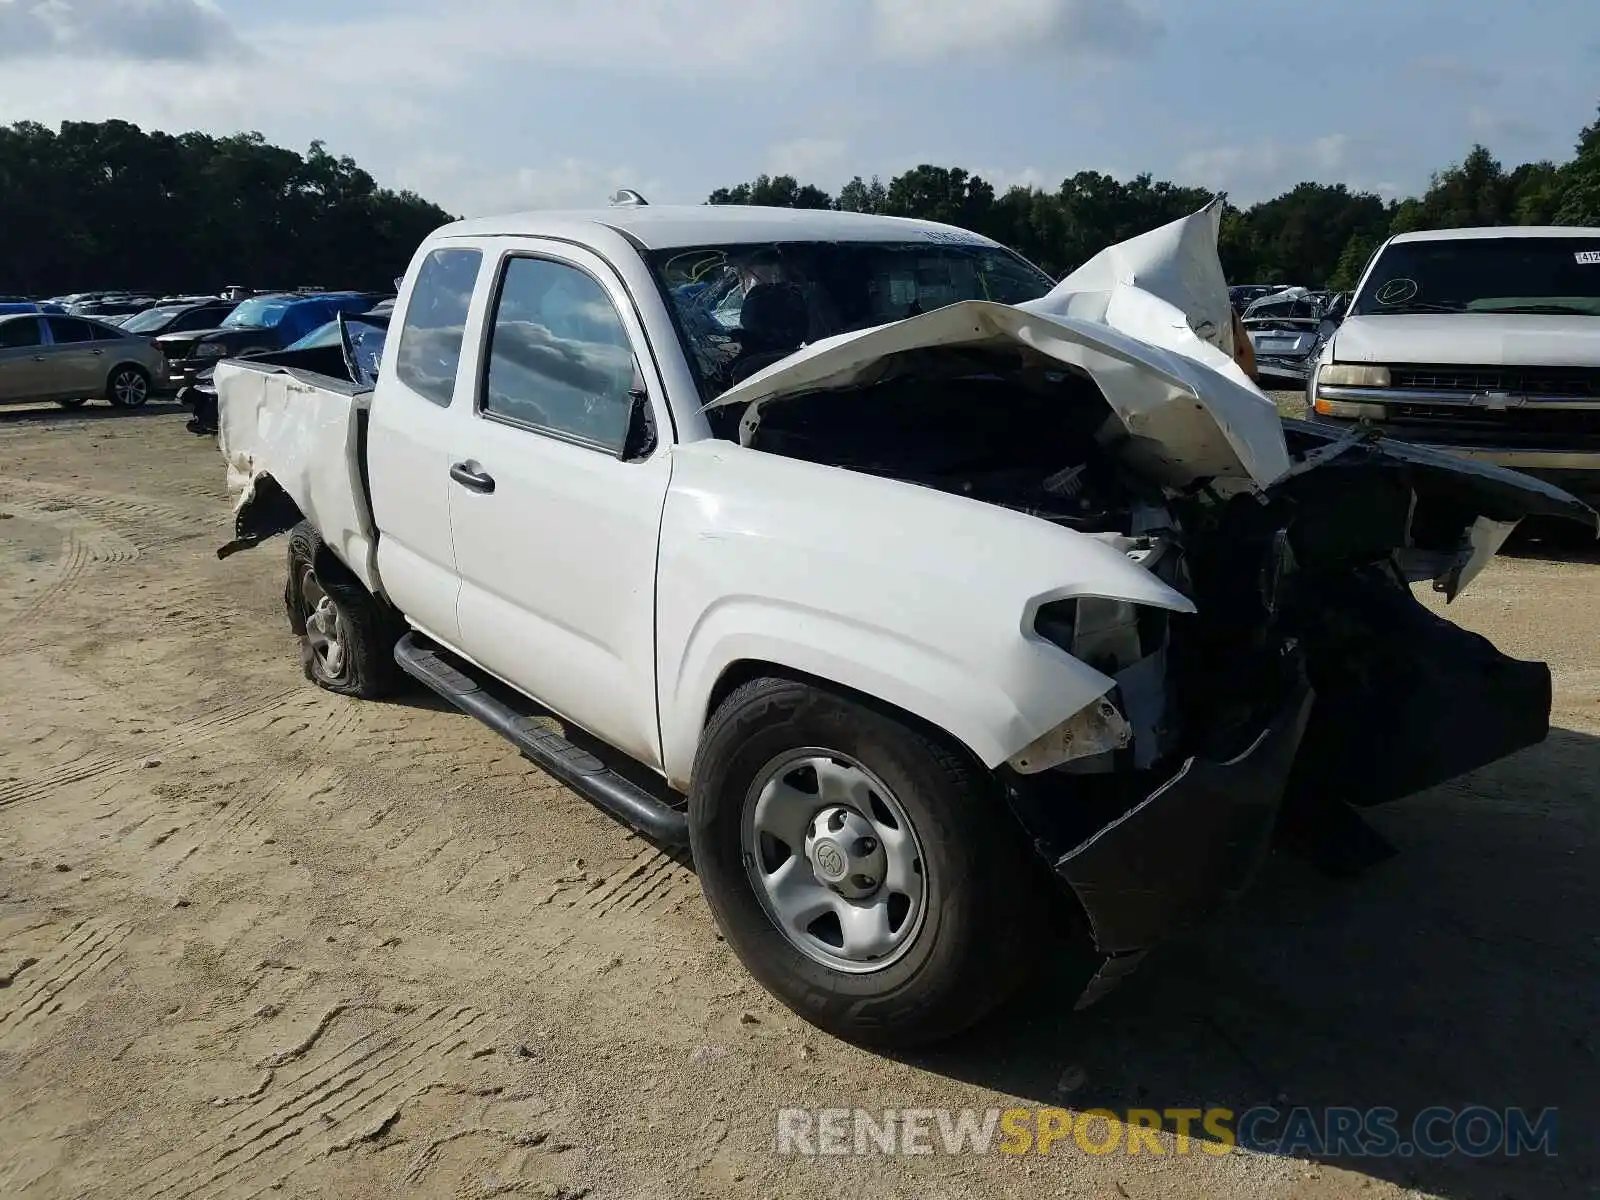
(99, 352)
(38, 358)
(473, 481)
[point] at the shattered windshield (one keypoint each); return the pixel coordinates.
(742, 308)
(1534, 275)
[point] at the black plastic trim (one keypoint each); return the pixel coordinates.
(585, 774)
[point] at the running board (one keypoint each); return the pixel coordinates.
(585, 774)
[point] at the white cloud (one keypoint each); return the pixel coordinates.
(99, 30)
(808, 159)
(922, 29)
(472, 191)
(1267, 167)
(1003, 179)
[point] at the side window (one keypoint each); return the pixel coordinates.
(23, 332)
(559, 355)
(64, 330)
(199, 318)
(435, 323)
(106, 333)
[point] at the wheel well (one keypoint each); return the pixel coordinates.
(736, 674)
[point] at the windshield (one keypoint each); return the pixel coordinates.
(1548, 275)
(322, 335)
(150, 319)
(264, 312)
(742, 308)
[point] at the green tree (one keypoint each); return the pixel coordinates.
(106, 204)
(1313, 234)
(1580, 182)
(1353, 260)
(768, 191)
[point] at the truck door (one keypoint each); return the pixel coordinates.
(556, 515)
(409, 436)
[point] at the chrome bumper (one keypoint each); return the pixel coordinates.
(1485, 401)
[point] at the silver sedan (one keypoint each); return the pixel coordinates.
(72, 360)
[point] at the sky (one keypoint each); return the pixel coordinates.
(489, 106)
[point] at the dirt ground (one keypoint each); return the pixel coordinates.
(258, 940)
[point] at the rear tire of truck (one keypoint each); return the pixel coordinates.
(347, 636)
(866, 871)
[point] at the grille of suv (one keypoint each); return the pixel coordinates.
(1574, 382)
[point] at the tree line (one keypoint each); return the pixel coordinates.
(1315, 234)
(108, 205)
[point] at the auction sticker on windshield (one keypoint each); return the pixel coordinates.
(1588, 258)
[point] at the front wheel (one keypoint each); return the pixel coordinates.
(865, 871)
(347, 638)
(128, 387)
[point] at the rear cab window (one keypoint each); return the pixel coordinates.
(429, 354)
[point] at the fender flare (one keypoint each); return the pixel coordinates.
(992, 715)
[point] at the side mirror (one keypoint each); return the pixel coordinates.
(640, 441)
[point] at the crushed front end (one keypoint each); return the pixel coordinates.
(1309, 683)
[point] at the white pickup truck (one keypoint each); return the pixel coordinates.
(954, 619)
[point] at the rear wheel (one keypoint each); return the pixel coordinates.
(865, 871)
(347, 636)
(128, 387)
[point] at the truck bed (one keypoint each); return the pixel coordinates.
(286, 418)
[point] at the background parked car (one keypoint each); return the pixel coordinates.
(260, 323)
(70, 360)
(183, 316)
(1286, 330)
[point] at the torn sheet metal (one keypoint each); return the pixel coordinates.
(304, 436)
(1192, 843)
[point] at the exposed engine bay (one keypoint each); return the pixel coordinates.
(1300, 587)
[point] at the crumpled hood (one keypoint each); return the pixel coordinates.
(1473, 339)
(1168, 377)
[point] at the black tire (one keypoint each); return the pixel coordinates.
(75, 402)
(366, 630)
(128, 386)
(979, 934)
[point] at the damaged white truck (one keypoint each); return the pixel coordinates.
(952, 617)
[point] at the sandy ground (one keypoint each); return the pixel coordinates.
(255, 939)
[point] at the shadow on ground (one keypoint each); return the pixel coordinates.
(1464, 971)
(93, 411)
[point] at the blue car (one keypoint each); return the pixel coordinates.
(261, 323)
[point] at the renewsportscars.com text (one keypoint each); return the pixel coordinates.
(1475, 1131)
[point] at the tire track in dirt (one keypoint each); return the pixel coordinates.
(274, 1127)
(75, 558)
(139, 516)
(653, 880)
(179, 737)
(58, 979)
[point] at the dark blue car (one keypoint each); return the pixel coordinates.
(261, 323)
